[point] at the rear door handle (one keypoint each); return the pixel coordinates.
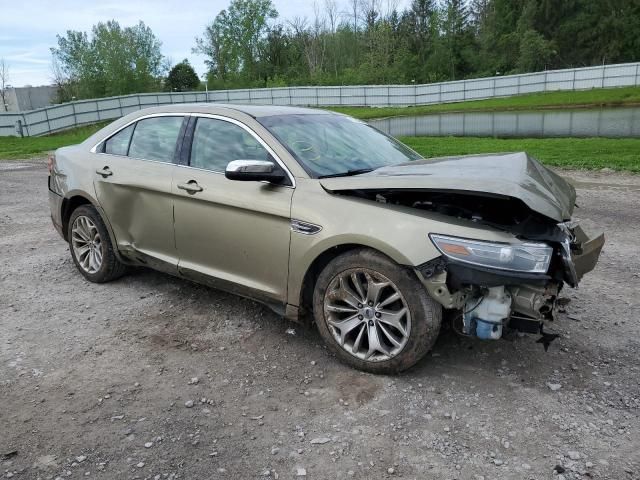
(105, 172)
(191, 186)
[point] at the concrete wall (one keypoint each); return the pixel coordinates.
(29, 98)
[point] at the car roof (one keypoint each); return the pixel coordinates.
(252, 110)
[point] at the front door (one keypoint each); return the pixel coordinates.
(231, 234)
(132, 178)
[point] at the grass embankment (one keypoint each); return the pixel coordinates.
(16, 147)
(551, 100)
(592, 153)
(589, 153)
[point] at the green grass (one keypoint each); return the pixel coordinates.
(15, 147)
(550, 100)
(588, 153)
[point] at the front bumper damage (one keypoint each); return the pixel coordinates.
(486, 301)
(580, 250)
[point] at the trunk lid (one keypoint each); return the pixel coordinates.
(516, 175)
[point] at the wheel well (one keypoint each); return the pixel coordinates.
(321, 261)
(68, 206)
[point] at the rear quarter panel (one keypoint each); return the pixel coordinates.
(71, 176)
(73, 172)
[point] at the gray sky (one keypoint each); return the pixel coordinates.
(28, 28)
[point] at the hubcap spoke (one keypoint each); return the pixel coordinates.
(348, 295)
(355, 279)
(367, 314)
(356, 344)
(346, 326)
(374, 343)
(374, 288)
(389, 336)
(80, 235)
(92, 260)
(84, 259)
(341, 309)
(389, 300)
(86, 244)
(394, 319)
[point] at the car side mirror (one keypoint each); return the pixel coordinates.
(254, 171)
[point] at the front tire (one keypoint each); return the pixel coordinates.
(373, 313)
(91, 247)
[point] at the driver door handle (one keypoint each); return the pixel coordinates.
(191, 187)
(105, 172)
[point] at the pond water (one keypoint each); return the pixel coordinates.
(604, 122)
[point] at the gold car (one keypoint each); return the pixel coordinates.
(313, 211)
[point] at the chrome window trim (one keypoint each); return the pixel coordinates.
(198, 115)
(151, 115)
(136, 159)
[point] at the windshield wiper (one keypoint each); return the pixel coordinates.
(348, 173)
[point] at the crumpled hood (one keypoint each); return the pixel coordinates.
(514, 175)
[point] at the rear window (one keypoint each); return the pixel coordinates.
(119, 143)
(155, 138)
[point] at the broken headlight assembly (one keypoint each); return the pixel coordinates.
(521, 257)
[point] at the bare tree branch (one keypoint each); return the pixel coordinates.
(4, 83)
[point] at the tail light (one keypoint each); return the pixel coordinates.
(51, 161)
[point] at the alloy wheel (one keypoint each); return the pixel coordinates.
(367, 314)
(86, 244)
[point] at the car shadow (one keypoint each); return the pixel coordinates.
(202, 308)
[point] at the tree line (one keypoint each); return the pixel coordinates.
(355, 42)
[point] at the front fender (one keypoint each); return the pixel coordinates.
(401, 233)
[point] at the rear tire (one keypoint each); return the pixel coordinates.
(91, 247)
(373, 313)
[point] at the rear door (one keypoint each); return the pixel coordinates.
(231, 234)
(133, 184)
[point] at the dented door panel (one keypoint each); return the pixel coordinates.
(137, 199)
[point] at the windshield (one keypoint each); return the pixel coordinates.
(336, 145)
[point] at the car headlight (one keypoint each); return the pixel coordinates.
(521, 257)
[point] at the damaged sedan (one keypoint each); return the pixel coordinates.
(318, 215)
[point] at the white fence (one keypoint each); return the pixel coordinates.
(60, 117)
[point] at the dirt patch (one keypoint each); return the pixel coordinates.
(359, 388)
(94, 378)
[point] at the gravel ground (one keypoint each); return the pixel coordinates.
(154, 377)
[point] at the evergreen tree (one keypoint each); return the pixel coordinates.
(182, 78)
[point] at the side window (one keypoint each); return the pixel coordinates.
(217, 142)
(119, 143)
(155, 138)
